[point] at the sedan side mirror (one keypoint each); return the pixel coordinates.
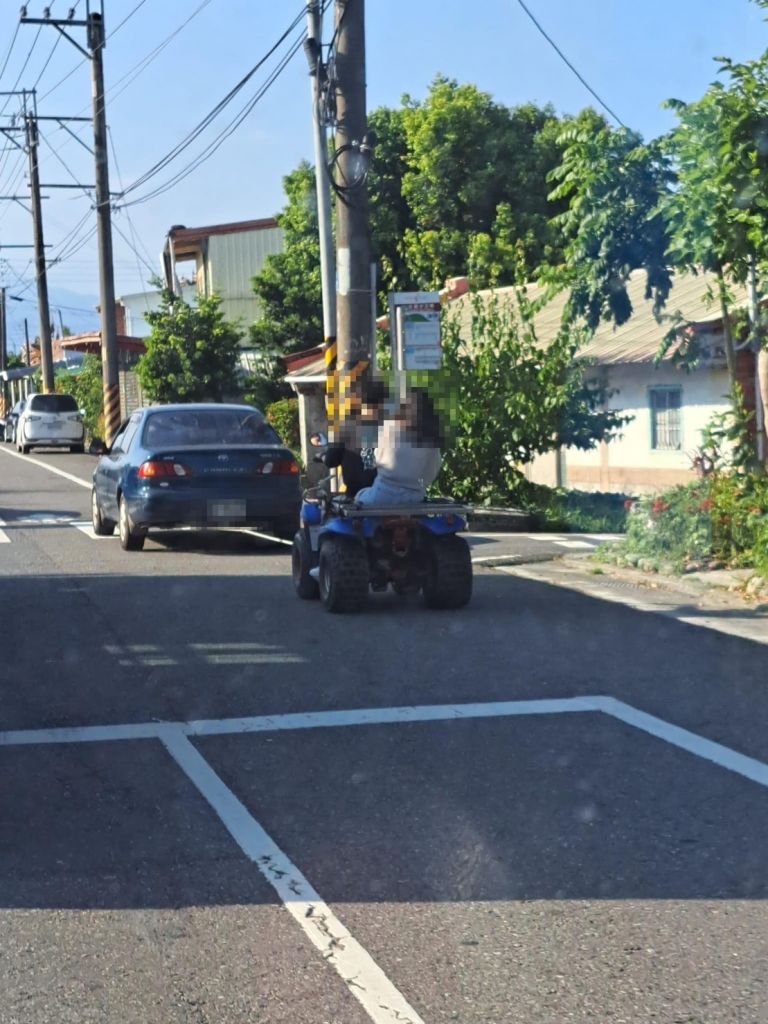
(98, 447)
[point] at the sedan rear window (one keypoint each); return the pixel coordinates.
(53, 403)
(208, 426)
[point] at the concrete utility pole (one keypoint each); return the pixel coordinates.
(324, 219)
(94, 23)
(353, 248)
(46, 351)
(26, 341)
(3, 334)
(109, 351)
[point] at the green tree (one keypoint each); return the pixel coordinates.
(476, 184)
(87, 388)
(509, 398)
(192, 352)
(289, 285)
(612, 183)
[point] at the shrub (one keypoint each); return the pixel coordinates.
(284, 417)
(722, 518)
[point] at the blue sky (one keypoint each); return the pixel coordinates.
(634, 55)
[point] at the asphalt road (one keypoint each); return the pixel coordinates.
(544, 808)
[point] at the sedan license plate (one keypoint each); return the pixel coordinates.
(226, 511)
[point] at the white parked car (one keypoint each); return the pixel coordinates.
(50, 421)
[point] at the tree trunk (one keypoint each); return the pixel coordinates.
(730, 352)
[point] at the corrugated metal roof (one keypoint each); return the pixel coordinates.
(636, 341)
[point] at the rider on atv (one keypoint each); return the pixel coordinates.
(407, 454)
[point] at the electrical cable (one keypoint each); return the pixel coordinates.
(562, 56)
(194, 133)
(132, 245)
(225, 133)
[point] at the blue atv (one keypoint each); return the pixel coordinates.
(342, 551)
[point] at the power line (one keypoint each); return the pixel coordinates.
(229, 130)
(578, 74)
(9, 51)
(195, 132)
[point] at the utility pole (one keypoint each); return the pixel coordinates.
(353, 248)
(3, 334)
(46, 352)
(26, 340)
(109, 352)
(324, 220)
(94, 24)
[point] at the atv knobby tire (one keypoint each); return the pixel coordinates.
(448, 583)
(301, 563)
(344, 574)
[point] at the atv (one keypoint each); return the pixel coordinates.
(342, 551)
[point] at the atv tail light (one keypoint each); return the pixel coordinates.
(163, 470)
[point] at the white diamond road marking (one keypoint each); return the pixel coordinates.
(378, 996)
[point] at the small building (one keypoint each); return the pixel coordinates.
(668, 406)
(226, 258)
(136, 305)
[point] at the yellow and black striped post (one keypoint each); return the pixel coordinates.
(330, 354)
(111, 410)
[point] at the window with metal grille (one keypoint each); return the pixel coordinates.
(666, 419)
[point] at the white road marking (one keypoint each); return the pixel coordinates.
(265, 536)
(378, 996)
(717, 753)
(721, 755)
(87, 529)
(366, 981)
(4, 538)
(51, 469)
(582, 545)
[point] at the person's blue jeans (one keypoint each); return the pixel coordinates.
(382, 493)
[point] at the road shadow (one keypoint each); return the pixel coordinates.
(573, 808)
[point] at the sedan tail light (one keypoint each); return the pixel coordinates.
(280, 467)
(163, 470)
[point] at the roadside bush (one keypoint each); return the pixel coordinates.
(575, 511)
(721, 519)
(87, 390)
(284, 417)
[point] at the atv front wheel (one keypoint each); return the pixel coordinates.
(344, 575)
(448, 583)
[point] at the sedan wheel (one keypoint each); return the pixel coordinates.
(102, 526)
(130, 538)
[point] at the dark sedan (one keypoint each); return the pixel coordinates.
(203, 466)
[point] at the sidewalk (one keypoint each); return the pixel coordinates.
(712, 600)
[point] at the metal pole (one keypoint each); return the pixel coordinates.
(3, 334)
(26, 337)
(109, 353)
(324, 217)
(353, 248)
(46, 352)
(759, 395)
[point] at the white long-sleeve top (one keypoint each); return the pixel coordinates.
(401, 463)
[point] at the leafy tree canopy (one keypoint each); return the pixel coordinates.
(192, 352)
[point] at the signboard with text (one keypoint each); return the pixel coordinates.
(416, 334)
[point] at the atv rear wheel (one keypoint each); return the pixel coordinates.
(301, 562)
(344, 575)
(449, 577)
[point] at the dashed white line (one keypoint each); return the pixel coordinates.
(4, 538)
